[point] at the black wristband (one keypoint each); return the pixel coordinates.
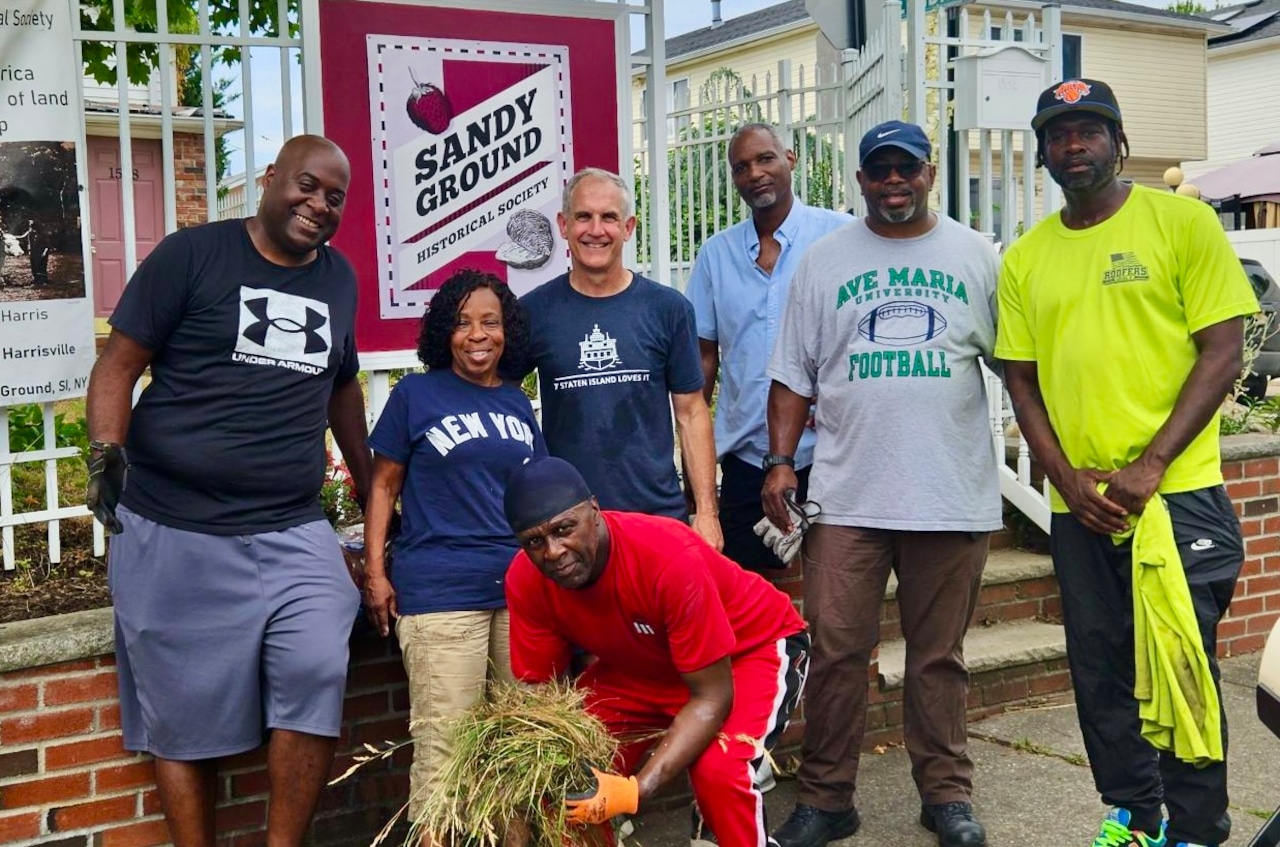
(772, 460)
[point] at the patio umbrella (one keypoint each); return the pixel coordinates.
(1255, 178)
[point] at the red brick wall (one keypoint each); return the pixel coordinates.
(188, 169)
(1254, 486)
(66, 780)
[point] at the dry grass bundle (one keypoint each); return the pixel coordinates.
(516, 755)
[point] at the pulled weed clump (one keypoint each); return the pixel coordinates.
(516, 755)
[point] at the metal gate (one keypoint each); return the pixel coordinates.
(209, 79)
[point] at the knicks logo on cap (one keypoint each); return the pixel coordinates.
(1072, 92)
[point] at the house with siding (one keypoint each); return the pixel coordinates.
(1155, 60)
(752, 46)
(1243, 85)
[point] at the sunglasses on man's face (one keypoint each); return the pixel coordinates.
(879, 171)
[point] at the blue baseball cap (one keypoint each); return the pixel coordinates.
(898, 134)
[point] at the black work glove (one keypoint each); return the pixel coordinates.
(108, 475)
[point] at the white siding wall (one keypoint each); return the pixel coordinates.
(1244, 106)
(1260, 244)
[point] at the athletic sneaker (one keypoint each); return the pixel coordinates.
(763, 777)
(1115, 832)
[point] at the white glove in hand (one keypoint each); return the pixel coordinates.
(785, 545)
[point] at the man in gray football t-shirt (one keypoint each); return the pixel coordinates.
(886, 323)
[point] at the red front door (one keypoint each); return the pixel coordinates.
(107, 215)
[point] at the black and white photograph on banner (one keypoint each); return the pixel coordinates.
(42, 256)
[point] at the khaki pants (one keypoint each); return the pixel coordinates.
(449, 658)
(846, 570)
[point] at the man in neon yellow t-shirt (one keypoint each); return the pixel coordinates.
(1121, 329)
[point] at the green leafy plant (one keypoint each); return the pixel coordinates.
(26, 430)
(337, 495)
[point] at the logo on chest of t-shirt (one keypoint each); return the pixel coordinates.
(283, 330)
(459, 429)
(1125, 267)
(642, 627)
(598, 356)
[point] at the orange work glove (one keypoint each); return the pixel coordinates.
(613, 795)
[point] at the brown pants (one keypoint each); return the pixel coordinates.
(846, 570)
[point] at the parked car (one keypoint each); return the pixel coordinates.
(1267, 365)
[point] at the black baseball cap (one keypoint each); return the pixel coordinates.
(898, 134)
(1076, 95)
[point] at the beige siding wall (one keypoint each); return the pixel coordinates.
(755, 63)
(758, 61)
(1160, 81)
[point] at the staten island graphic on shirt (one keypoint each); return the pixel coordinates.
(599, 364)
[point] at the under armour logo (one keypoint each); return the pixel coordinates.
(257, 332)
(283, 329)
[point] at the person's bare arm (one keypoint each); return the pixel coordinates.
(694, 728)
(380, 597)
(109, 401)
(788, 416)
(351, 432)
(698, 451)
(1218, 365)
(1078, 486)
(710, 353)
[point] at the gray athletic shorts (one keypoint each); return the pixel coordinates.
(220, 638)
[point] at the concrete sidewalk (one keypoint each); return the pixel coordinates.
(1032, 785)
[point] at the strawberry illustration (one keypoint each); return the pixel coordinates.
(429, 107)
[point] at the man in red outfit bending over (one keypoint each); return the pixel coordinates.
(686, 643)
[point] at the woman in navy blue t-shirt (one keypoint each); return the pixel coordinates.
(444, 446)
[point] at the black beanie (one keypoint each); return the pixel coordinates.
(540, 489)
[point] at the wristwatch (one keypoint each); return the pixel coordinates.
(772, 460)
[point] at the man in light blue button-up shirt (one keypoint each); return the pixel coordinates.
(738, 289)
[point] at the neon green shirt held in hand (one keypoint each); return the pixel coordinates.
(1108, 313)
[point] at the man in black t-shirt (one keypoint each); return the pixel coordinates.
(232, 603)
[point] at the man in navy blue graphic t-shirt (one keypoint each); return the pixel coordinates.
(615, 353)
(233, 606)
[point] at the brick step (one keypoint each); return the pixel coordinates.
(1016, 585)
(986, 648)
(1010, 664)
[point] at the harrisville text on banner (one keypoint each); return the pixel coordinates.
(46, 315)
(462, 126)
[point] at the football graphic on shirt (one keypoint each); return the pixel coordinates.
(901, 323)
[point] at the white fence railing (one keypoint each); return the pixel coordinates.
(807, 107)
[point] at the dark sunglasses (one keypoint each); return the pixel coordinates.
(879, 171)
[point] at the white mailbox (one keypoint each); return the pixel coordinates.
(996, 88)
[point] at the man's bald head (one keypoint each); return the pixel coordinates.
(299, 147)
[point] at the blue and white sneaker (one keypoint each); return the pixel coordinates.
(1115, 832)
